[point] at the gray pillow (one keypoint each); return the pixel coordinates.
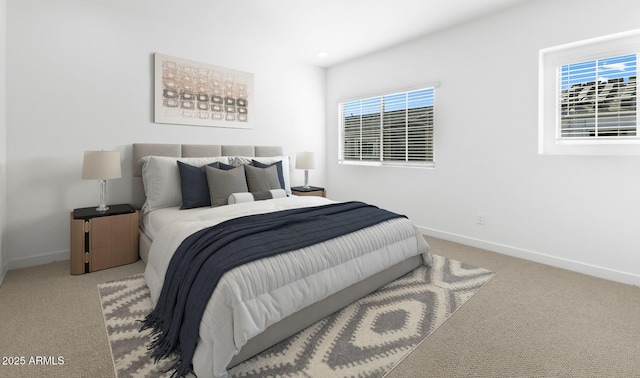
(223, 183)
(193, 184)
(262, 179)
(278, 165)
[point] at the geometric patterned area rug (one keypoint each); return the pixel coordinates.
(367, 338)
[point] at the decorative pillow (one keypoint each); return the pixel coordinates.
(257, 196)
(278, 165)
(161, 179)
(223, 183)
(242, 160)
(194, 186)
(261, 179)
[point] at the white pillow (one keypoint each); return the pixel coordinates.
(161, 179)
(241, 160)
(240, 198)
(250, 197)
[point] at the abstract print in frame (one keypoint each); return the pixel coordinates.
(193, 93)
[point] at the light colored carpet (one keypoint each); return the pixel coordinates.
(530, 320)
(45, 311)
(533, 320)
(365, 339)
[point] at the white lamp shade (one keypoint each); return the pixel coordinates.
(101, 165)
(305, 160)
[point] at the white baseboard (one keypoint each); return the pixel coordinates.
(46, 258)
(558, 262)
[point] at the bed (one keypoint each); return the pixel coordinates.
(236, 326)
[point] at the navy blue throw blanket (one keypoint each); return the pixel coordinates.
(203, 257)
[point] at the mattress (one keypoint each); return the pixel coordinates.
(250, 298)
(153, 221)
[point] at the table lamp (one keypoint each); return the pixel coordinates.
(306, 160)
(101, 166)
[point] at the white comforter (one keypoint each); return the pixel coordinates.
(250, 298)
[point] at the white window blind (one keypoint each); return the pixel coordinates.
(394, 128)
(598, 98)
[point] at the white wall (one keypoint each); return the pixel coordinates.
(3, 138)
(80, 78)
(576, 212)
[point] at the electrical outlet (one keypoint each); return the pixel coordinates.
(480, 219)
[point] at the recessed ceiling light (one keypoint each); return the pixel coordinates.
(322, 54)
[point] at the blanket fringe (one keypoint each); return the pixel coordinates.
(161, 348)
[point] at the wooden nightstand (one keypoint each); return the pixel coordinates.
(310, 191)
(101, 240)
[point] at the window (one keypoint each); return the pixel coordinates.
(588, 97)
(392, 129)
(598, 98)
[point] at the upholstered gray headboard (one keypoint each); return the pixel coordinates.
(141, 150)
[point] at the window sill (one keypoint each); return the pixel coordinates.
(420, 165)
(612, 147)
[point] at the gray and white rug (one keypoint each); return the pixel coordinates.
(367, 338)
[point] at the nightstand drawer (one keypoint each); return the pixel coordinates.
(114, 241)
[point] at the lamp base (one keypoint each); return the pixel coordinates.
(102, 184)
(306, 179)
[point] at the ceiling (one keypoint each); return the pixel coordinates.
(301, 29)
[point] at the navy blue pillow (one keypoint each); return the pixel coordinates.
(278, 165)
(194, 186)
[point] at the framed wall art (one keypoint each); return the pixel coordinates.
(200, 94)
